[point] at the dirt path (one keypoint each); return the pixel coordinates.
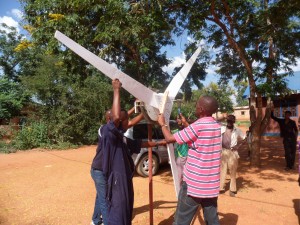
(54, 187)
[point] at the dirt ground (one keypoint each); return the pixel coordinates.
(41, 187)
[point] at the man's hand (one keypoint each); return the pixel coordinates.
(116, 84)
(185, 123)
(161, 120)
(162, 142)
(181, 120)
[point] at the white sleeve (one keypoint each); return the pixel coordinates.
(99, 132)
(241, 133)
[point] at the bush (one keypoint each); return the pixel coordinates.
(32, 136)
(6, 148)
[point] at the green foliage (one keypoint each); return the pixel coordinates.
(253, 39)
(127, 34)
(32, 136)
(196, 73)
(223, 95)
(72, 108)
(9, 58)
(241, 87)
(6, 148)
(12, 95)
(12, 98)
(187, 109)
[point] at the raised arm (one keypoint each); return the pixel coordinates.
(130, 111)
(116, 106)
(274, 117)
(135, 120)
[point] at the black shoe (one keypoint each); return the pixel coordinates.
(232, 193)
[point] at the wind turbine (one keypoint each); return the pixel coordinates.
(154, 103)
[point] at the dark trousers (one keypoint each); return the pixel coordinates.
(100, 208)
(290, 151)
(187, 207)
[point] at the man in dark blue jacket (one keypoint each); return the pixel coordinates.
(289, 133)
(117, 164)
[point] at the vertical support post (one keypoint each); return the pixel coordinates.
(150, 174)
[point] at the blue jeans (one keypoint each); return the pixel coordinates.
(187, 207)
(100, 207)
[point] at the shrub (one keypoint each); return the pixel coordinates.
(32, 136)
(6, 148)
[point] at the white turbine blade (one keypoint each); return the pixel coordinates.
(173, 168)
(179, 78)
(164, 101)
(135, 88)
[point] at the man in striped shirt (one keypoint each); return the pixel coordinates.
(201, 175)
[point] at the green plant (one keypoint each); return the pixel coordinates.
(32, 136)
(6, 148)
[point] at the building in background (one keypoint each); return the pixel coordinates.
(241, 113)
(291, 103)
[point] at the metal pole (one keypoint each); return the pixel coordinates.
(150, 174)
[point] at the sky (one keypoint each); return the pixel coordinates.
(10, 13)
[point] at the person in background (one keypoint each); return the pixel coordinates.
(289, 133)
(249, 140)
(181, 151)
(230, 156)
(201, 175)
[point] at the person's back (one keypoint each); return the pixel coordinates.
(202, 170)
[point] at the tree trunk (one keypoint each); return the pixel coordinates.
(255, 148)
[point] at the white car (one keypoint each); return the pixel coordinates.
(159, 154)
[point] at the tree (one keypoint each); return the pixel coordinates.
(12, 96)
(9, 58)
(71, 110)
(128, 34)
(223, 95)
(256, 39)
(197, 72)
(241, 87)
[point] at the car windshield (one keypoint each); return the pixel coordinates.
(140, 131)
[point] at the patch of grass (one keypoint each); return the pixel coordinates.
(243, 123)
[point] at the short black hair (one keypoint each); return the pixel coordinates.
(230, 117)
(124, 110)
(288, 112)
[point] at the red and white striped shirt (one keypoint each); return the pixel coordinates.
(202, 169)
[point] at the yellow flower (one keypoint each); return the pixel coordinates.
(60, 63)
(29, 28)
(23, 45)
(56, 16)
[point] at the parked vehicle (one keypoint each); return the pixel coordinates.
(159, 154)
